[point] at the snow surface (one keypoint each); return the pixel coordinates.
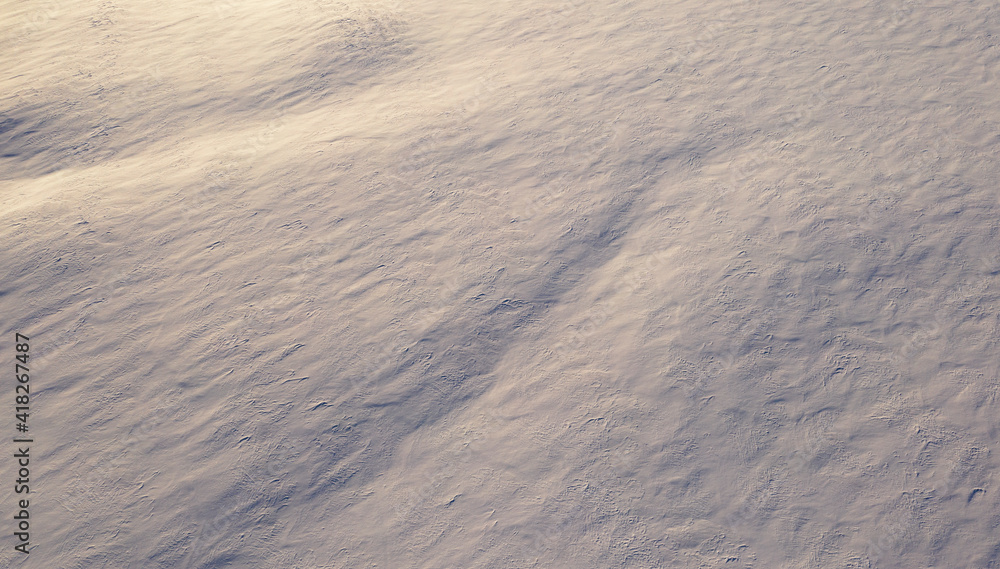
(505, 284)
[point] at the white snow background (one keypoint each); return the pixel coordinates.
(507, 284)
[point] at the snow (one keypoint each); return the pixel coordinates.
(388, 284)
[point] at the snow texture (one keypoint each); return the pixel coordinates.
(507, 284)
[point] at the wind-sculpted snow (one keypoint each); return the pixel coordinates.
(465, 284)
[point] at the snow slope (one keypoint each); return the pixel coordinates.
(561, 283)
